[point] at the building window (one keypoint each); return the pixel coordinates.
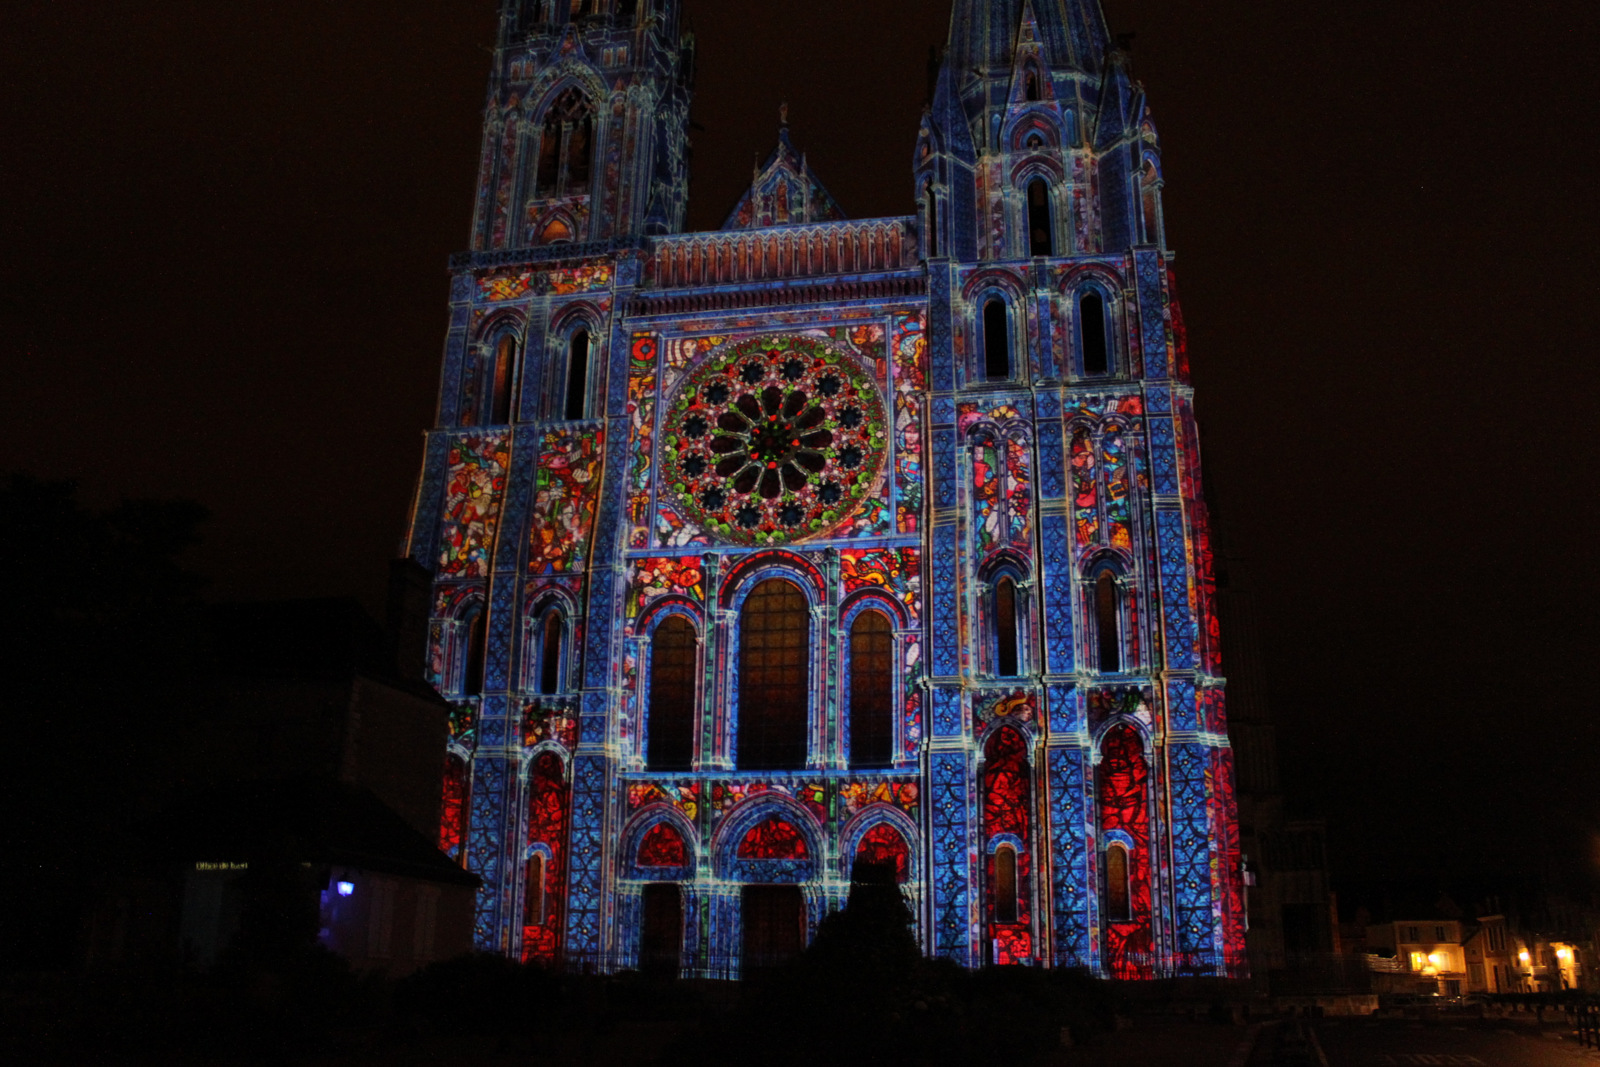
(505, 356)
(533, 891)
(1005, 884)
(1107, 622)
(552, 635)
(577, 406)
(1118, 900)
(1006, 660)
(477, 646)
(774, 677)
(996, 340)
(1041, 232)
(661, 933)
(774, 920)
(670, 729)
(871, 690)
(1030, 84)
(565, 147)
(1092, 332)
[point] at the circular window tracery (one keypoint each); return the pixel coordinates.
(774, 440)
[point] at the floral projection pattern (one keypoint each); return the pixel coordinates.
(1124, 809)
(883, 846)
(663, 847)
(773, 839)
(476, 484)
(777, 439)
(565, 492)
(1007, 805)
(547, 829)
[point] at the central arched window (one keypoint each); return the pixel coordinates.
(1092, 332)
(1119, 906)
(1005, 884)
(996, 340)
(1006, 659)
(871, 690)
(670, 728)
(1041, 231)
(1107, 621)
(774, 677)
(565, 147)
(577, 403)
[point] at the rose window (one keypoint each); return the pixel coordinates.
(775, 440)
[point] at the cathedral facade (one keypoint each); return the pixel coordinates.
(815, 548)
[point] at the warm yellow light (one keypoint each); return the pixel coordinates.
(1523, 955)
(1563, 953)
(1418, 961)
(1437, 959)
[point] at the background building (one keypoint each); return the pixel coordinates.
(764, 551)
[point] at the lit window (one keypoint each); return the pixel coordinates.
(774, 677)
(670, 728)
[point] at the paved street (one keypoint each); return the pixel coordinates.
(1446, 1043)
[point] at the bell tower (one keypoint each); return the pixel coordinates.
(586, 123)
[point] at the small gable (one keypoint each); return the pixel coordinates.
(784, 190)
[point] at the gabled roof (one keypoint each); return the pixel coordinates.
(784, 190)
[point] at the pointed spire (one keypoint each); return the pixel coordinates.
(984, 34)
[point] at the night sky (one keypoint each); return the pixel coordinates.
(224, 231)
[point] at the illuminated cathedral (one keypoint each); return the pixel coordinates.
(814, 548)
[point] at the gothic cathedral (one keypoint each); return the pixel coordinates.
(816, 548)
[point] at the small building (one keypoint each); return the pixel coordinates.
(1491, 958)
(1426, 948)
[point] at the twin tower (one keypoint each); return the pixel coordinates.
(816, 549)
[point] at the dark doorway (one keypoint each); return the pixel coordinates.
(661, 940)
(774, 925)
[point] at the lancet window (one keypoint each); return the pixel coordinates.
(774, 677)
(565, 147)
(669, 730)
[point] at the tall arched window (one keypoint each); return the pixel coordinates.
(533, 891)
(774, 677)
(1119, 907)
(1005, 884)
(871, 690)
(996, 340)
(577, 405)
(1041, 231)
(1107, 621)
(1150, 201)
(1092, 331)
(1006, 659)
(548, 811)
(565, 147)
(930, 220)
(669, 730)
(505, 357)
(1030, 84)
(477, 646)
(552, 635)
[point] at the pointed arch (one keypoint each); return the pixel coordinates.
(1006, 782)
(1122, 794)
(673, 695)
(871, 689)
(548, 808)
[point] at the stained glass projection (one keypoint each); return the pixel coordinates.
(871, 690)
(1007, 819)
(883, 847)
(774, 839)
(669, 730)
(453, 809)
(774, 677)
(547, 833)
(1124, 810)
(663, 847)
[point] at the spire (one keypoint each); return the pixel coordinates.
(783, 190)
(983, 34)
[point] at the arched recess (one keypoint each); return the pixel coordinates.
(659, 843)
(799, 697)
(471, 647)
(864, 833)
(930, 221)
(1041, 218)
(871, 681)
(566, 124)
(773, 675)
(1006, 782)
(575, 359)
(1109, 613)
(730, 839)
(994, 329)
(503, 359)
(1122, 791)
(1093, 331)
(550, 648)
(1006, 617)
(549, 806)
(1150, 203)
(671, 690)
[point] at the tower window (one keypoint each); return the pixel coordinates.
(565, 147)
(578, 376)
(996, 341)
(670, 729)
(774, 676)
(551, 636)
(477, 643)
(1005, 628)
(1005, 884)
(505, 355)
(1107, 631)
(1119, 906)
(930, 222)
(1150, 198)
(1030, 85)
(1041, 237)
(1092, 328)
(871, 690)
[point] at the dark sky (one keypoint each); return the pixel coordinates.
(223, 232)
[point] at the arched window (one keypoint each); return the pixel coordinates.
(1005, 884)
(505, 356)
(552, 635)
(1041, 231)
(1030, 84)
(533, 891)
(1006, 660)
(577, 406)
(1150, 200)
(871, 690)
(774, 677)
(996, 340)
(930, 221)
(882, 848)
(565, 147)
(1107, 621)
(1118, 901)
(669, 730)
(477, 646)
(1092, 331)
